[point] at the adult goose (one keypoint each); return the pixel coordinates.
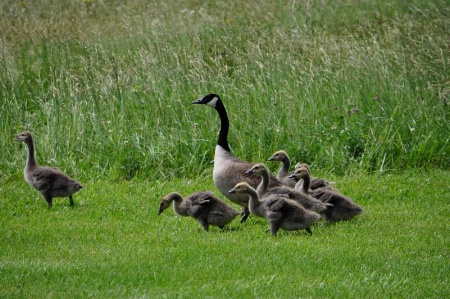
(49, 181)
(228, 170)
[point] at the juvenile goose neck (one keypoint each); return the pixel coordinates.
(224, 126)
(31, 160)
(254, 199)
(286, 164)
(306, 182)
(264, 185)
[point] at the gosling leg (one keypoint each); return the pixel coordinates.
(71, 203)
(308, 230)
(245, 213)
(48, 198)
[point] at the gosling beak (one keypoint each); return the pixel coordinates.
(232, 191)
(291, 176)
(250, 171)
(16, 137)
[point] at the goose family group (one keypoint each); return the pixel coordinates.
(290, 200)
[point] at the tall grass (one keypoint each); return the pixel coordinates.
(106, 87)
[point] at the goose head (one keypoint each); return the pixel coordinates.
(299, 173)
(278, 156)
(165, 202)
(209, 100)
(258, 169)
(24, 137)
(241, 188)
(304, 165)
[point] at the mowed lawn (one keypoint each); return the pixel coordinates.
(113, 244)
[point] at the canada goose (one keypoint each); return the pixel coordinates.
(315, 182)
(49, 181)
(283, 173)
(202, 206)
(263, 190)
(279, 211)
(343, 207)
(228, 170)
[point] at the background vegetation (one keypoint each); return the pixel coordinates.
(343, 85)
(358, 89)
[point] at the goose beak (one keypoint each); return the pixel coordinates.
(159, 212)
(232, 191)
(199, 101)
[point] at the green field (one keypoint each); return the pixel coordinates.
(360, 90)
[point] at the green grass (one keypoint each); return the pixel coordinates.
(358, 89)
(113, 244)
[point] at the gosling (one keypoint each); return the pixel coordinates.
(263, 190)
(283, 173)
(342, 207)
(279, 211)
(202, 206)
(49, 181)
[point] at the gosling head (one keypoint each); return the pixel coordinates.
(210, 100)
(240, 188)
(166, 201)
(257, 169)
(24, 137)
(299, 173)
(299, 165)
(278, 156)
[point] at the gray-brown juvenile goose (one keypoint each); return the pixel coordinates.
(228, 170)
(315, 182)
(263, 190)
(279, 211)
(49, 181)
(283, 173)
(203, 206)
(343, 207)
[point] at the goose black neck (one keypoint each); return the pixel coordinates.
(224, 126)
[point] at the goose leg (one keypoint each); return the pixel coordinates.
(48, 198)
(204, 223)
(245, 213)
(71, 203)
(274, 227)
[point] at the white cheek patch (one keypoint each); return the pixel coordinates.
(213, 102)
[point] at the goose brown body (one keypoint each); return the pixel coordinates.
(49, 181)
